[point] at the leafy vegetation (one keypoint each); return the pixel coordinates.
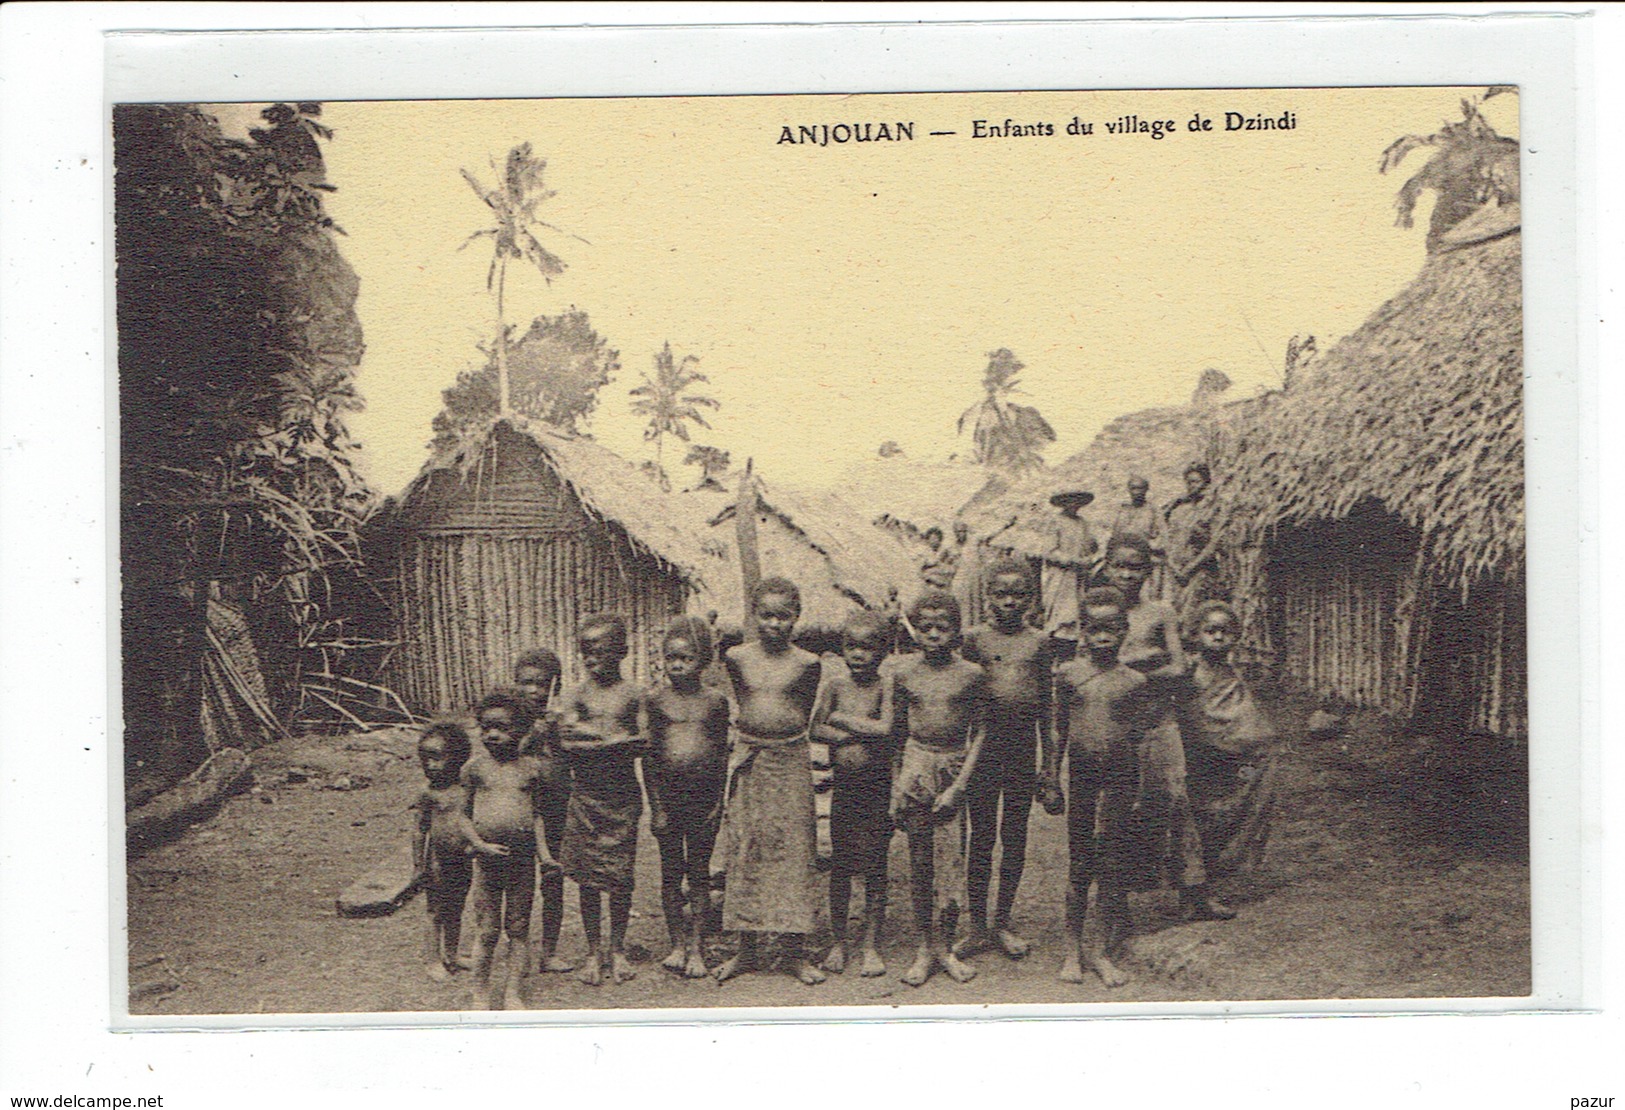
(237, 345)
(1470, 165)
(555, 371)
(1006, 436)
(665, 402)
(514, 200)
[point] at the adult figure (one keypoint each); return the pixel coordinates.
(1067, 564)
(1192, 542)
(1138, 518)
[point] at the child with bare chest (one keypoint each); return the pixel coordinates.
(598, 733)
(684, 772)
(503, 817)
(440, 847)
(536, 674)
(1153, 646)
(771, 824)
(855, 718)
(1017, 659)
(941, 707)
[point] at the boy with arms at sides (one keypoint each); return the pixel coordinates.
(684, 771)
(854, 718)
(1101, 710)
(1017, 659)
(598, 733)
(771, 826)
(536, 675)
(502, 808)
(941, 706)
(440, 847)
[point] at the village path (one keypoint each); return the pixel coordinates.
(1378, 883)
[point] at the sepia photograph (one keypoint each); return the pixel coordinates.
(960, 549)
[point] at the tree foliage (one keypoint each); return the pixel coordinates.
(1470, 165)
(555, 371)
(712, 461)
(1006, 435)
(514, 201)
(665, 401)
(238, 340)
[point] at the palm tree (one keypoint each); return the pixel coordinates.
(1005, 434)
(518, 193)
(1471, 164)
(712, 461)
(664, 399)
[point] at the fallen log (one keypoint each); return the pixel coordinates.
(193, 798)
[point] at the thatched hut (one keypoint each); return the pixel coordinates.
(505, 541)
(911, 498)
(840, 560)
(1385, 497)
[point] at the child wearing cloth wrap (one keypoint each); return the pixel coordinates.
(771, 825)
(599, 738)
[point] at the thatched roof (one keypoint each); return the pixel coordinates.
(1155, 443)
(1420, 410)
(830, 550)
(609, 487)
(912, 496)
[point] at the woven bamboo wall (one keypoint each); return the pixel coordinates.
(1335, 630)
(1376, 632)
(503, 558)
(471, 604)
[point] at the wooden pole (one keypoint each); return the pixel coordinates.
(750, 559)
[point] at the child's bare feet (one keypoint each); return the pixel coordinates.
(465, 963)
(676, 960)
(1109, 973)
(1011, 945)
(958, 970)
(439, 972)
(974, 943)
(694, 968)
(804, 971)
(621, 968)
(873, 965)
(920, 970)
(835, 959)
(592, 970)
(556, 963)
(1071, 969)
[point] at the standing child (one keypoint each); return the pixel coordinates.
(1229, 748)
(536, 675)
(1017, 659)
(502, 792)
(598, 733)
(771, 825)
(1165, 833)
(1101, 709)
(941, 704)
(440, 847)
(684, 771)
(855, 719)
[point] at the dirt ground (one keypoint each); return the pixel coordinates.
(1394, 871)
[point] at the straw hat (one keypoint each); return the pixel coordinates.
(1071, 498)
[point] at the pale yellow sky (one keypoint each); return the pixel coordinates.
(844, 295)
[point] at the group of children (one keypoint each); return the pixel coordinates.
(951, 743)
